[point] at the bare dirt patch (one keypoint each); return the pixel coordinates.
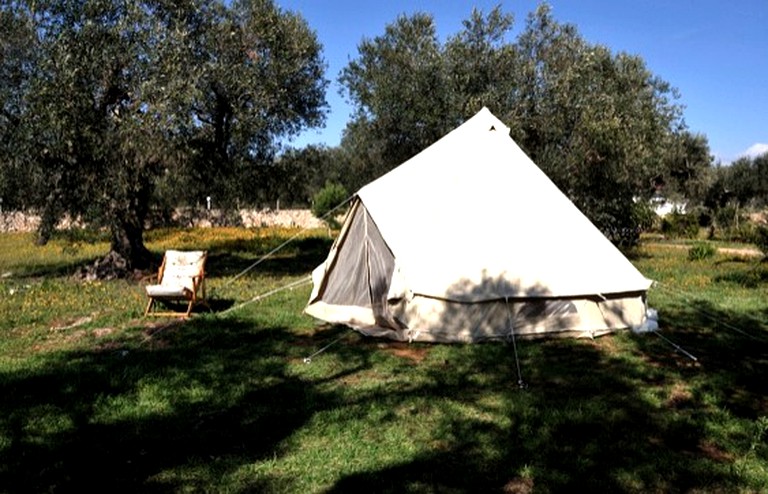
(519, 485)
(406, 351)
(679, 396)
(742, 252)
(62, 324)
(734, 251)
(714, 452)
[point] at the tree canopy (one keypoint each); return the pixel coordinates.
(743, 183)
(108, 107)
(600, 124)
(104, 101)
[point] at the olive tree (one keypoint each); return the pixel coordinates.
(600, 124)
(16, 71)
(119, 98)
(397, 87)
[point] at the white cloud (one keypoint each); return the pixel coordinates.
(756, 149)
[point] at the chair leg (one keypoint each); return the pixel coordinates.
(149, 306)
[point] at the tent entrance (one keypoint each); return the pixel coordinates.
(358, 277)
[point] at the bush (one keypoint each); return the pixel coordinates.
(760, 239)
(701, 251)
(703, 215)
(727, 216)
(679, 225)
(643, 215)
(326, 200)
(744, 232)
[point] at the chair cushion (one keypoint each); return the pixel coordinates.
(168, 291)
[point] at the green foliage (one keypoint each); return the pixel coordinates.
(727, 216)
(743, 231)
(740, 184)
(624, 224)
(680, 225)
(304, 172)
(643, 215)
(16, 51)
(760, 239)
(688, 172)
(702, 214)
(107, 103)
(479, 63)
(397, 84)
(326, 202)
(601, 125)
(701, 251)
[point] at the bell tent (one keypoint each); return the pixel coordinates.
(468, 241)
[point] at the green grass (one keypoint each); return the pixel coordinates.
(95, 395)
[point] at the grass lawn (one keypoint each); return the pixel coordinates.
(93, 396)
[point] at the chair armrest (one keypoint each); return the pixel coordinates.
(152, 278)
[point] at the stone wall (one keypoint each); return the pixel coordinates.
(18, 222)
(248, 218)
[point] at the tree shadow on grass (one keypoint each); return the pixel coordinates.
(732, 352)
(595, 418)
(752, 278)
(225, 258)
(193, 403)
(213, 304)
(197, 403)
(582, 426)
(69, 268)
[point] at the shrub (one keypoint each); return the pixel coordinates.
(680, 225)
(760, 239)
(703, 216)
(326, 200)
(643, 215)
(701, 251)
(743, 232)
(727, 216)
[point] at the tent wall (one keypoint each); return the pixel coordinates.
(360, 285)
(439, 320)
(470, 241)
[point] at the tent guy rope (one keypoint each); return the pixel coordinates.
(277, 249)
(520, 383)
(290, 286)
(676, 346)
(686, 297)
(308, 359)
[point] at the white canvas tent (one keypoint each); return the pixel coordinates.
(469, 240)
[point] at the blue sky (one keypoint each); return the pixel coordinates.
(715, 52)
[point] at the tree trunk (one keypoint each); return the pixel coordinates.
(127, 252)
(127, 241)
(126, 222)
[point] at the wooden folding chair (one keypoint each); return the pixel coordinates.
(180, 279)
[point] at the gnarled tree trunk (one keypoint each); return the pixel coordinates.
(127, 241)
